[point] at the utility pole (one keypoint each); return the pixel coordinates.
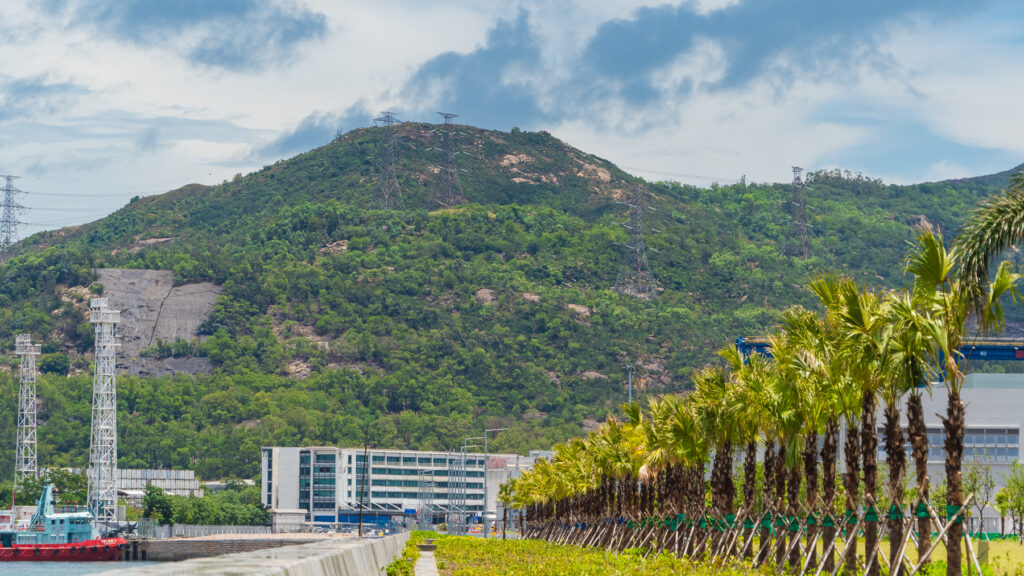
(9, 217)
(366, 466)
(25, 465)
(452, 192)
(797, 243)
(460, 512)
(487, 465)
(635, 277)
(103, 441)
(390, 193)
(629, 371)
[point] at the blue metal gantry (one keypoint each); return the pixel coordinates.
(977, 349)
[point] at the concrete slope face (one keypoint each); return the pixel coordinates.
(153, 309)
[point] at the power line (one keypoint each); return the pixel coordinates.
(680, 175)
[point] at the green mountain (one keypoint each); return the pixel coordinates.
(430, 324)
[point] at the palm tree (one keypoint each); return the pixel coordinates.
(910, 362)
(946, 302)
(814, 401)
(822, 342)
(845, 391)
(862, 320)
(505, 492)
(710, 398)
(748, 398)
(786, 416)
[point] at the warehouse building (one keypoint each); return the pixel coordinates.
(995, 413)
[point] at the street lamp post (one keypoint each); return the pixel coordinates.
(487, 460)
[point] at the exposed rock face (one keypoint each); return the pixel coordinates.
(153, 309)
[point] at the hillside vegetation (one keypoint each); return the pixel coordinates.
(428, 323)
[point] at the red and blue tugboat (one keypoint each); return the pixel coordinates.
(59, 533)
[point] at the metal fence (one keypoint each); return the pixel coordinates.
(149, 530)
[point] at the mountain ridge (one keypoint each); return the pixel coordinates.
(426, 323)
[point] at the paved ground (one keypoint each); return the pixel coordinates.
(426, 565)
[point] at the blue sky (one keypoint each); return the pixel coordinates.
(101, 100)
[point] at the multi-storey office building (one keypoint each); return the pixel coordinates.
(328, 482)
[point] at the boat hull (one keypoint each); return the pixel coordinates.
(105, 549)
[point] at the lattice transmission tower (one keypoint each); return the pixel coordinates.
(25, 465)
(635, 277)
(103, 441)
(389, 193)
(797, 243)
(451, 193)
(9, 218)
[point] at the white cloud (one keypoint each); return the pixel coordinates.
(960, 81)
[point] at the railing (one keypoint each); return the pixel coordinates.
(70, 509)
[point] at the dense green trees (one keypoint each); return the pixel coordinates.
(496, 313)
(236, 505)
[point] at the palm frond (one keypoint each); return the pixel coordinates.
(997, 224)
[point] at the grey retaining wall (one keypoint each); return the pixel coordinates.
(177, 550)
(328, 557)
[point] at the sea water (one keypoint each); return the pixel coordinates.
(65, 568)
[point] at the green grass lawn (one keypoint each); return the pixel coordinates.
(469, 556)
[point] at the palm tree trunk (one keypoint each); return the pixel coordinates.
(794, 511)
(851, 482)
(954, 425)
(919, 441)
(828, 483)
(723, 491)
(764, 552)
(896, 457)
(869, 457)
(749, 487)
(811, 474)
(780, 502)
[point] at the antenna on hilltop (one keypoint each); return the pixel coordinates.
(635, 277)
(797, 244)
(9, 219)
(390, 194)
(452, 193)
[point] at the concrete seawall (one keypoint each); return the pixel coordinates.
(328, 557)
(187, 549)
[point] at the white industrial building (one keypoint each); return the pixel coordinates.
(132, 482)
(995, 413)
(324, 482)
